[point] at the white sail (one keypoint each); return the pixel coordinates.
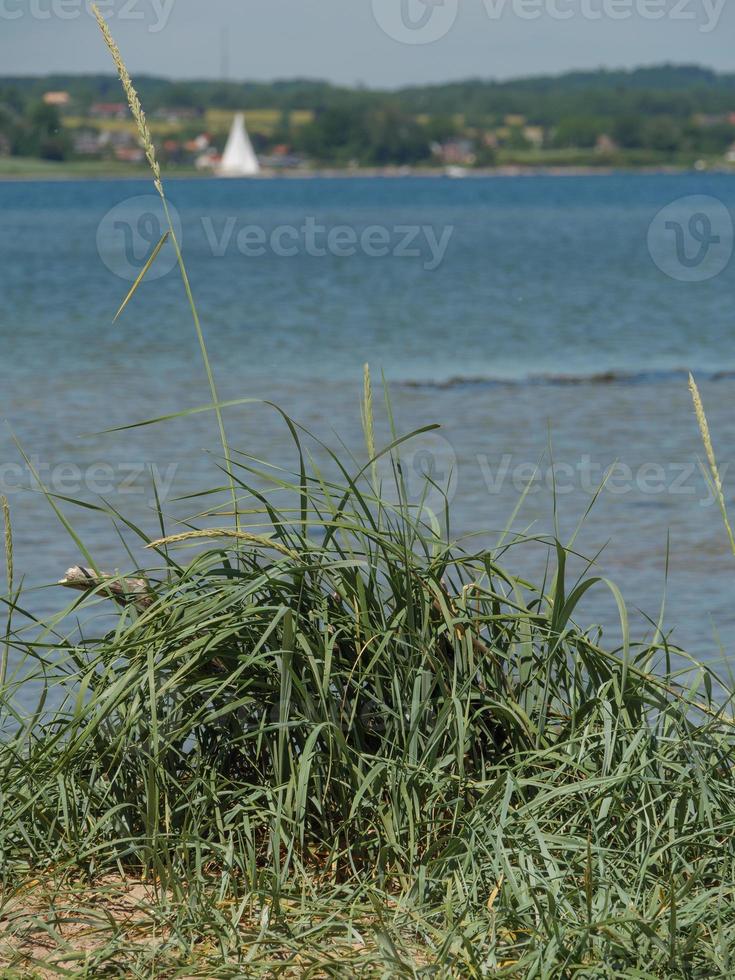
(239, 159)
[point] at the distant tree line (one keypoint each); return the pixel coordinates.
(667, 110)
(661, 133)
(32, 130)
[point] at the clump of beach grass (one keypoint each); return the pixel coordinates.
(334, 742)
(348, 744)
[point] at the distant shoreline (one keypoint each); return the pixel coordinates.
(69, 174)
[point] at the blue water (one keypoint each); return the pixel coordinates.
(527, 317)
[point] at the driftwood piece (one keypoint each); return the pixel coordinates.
(125, 591)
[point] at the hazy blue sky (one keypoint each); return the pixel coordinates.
(365, 40)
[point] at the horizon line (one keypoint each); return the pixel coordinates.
(358, 86)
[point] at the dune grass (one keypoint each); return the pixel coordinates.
(330, 741)
(334, 743)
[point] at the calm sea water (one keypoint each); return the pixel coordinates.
(525, 315)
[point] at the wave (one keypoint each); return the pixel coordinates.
(596, 378)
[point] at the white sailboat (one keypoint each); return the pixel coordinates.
(239, 159)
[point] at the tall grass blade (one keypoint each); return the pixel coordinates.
(368, 425)
(142, 274)
(716, 481)
(150, 151)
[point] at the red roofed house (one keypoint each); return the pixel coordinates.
(109, 110)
